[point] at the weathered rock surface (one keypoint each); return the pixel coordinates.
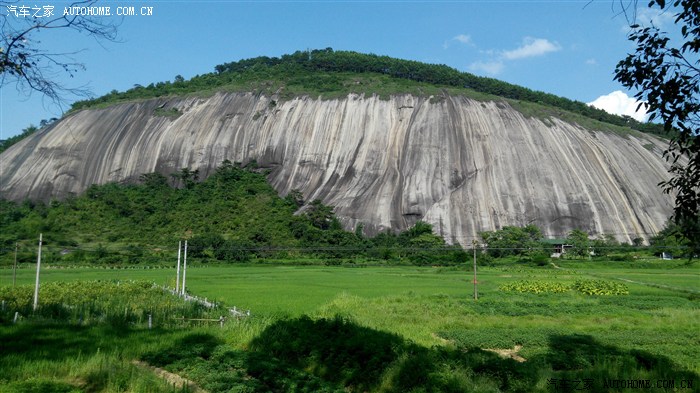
(462, 165)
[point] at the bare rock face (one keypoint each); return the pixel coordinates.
(462, 165)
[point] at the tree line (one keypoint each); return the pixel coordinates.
(439, 74)
(528, 243)
(318, 71)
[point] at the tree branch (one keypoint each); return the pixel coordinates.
(34, 69)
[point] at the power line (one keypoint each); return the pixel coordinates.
(445, 248)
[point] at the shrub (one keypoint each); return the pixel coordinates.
(527, 286)
(600, 287)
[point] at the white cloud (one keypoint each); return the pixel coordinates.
(620, 103)
(647, 17)
(659, 18)
(489, 67)
(591, 62)
(531, 47)
(463, 38)
(494, 61)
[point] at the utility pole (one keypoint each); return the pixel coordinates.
(177, 280)
(14, 267)
(184, 270)
(476, 292)
(38, 268)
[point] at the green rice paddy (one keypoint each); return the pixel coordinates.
(651, 332)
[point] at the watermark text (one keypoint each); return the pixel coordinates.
(48, 11)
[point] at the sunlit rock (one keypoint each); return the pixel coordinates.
(462, 165)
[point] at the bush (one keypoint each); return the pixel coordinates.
(600, 287)
(526, 286)
(622, 258)
(540, 259)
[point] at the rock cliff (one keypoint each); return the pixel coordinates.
(462, 165)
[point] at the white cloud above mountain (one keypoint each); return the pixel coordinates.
(530, 47)
(464, 39)
(619, 103)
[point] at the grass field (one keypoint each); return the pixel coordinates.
(649, 333)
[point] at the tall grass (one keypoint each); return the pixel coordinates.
(118, 303)
(56, 357)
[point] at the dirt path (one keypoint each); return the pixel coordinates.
(173, 379)
(509, 353)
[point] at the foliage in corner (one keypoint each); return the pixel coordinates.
(666, 74)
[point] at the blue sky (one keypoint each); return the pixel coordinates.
(568, 48)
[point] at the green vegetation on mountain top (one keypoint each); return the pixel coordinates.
(331, 74)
